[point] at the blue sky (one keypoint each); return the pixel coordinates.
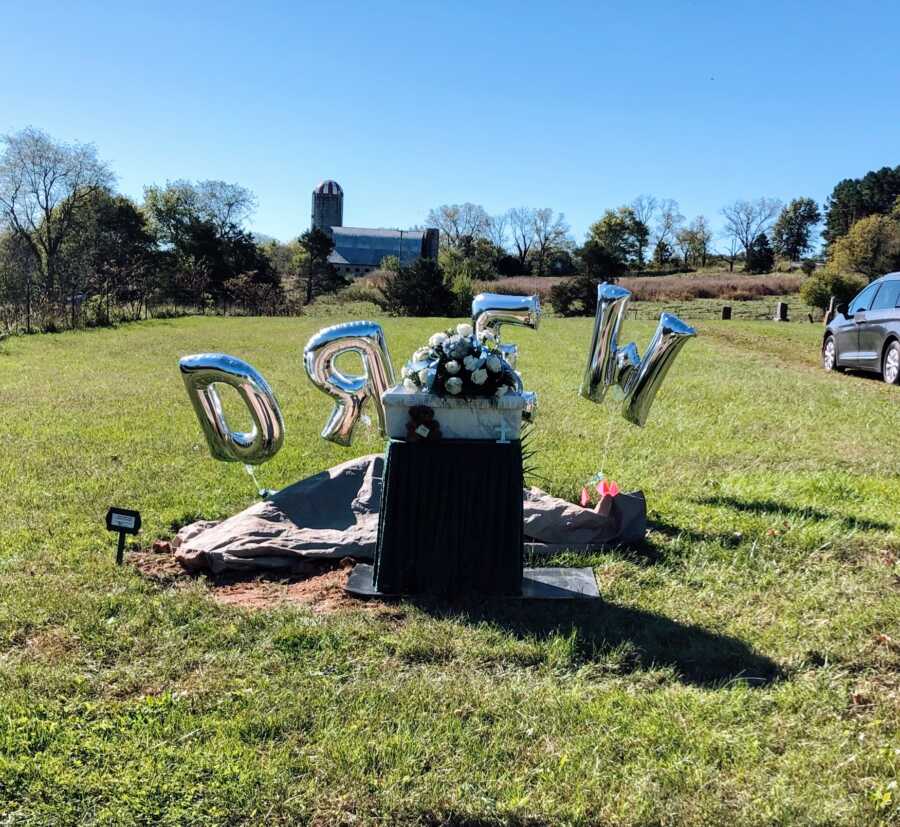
(575, 106)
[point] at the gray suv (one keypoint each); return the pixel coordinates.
(865, 335)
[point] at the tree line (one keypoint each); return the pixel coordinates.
(74, 252)
(647, 234)
(862, 234)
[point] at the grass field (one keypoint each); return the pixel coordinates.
(744, 667)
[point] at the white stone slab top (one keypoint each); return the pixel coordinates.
(488, 417)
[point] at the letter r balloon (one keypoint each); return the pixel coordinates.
(366, 339)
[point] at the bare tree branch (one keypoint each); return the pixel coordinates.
(42, 183)
(521, 223)
(549, 233)
(745, 220)
(458, 223)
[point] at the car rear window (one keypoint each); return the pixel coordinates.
(888, 297)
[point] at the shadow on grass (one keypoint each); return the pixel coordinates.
(674, 532)
(774, 508)
(637, 639)
(868, 375)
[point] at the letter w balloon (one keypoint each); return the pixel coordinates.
(636, 379)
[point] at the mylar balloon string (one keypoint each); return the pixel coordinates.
(261, 492)
(601, 473)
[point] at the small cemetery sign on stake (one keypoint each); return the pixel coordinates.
(125, 521)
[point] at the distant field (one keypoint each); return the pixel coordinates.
(690, 295)
(719, 287)
(743, 669)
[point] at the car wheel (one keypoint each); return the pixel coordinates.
(891, 366)
(829, 355)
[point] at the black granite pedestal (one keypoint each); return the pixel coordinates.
(451, 520)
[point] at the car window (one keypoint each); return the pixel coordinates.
(863, 300)
(888, 297)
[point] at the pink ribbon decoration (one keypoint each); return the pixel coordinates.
(606, 488)
(585, 497)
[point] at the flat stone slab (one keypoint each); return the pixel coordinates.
(556, 583)
(551, 583)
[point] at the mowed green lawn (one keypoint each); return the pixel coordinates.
(744, 667)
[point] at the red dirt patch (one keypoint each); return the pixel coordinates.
(318, 584)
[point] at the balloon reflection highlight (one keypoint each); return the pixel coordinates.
(635, 379)
(490, 311)
(350, 392)
(201, 373)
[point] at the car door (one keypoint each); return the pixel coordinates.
(873, 329)
(846, 328)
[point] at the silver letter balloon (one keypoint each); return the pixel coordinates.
(201, 373)
(349, 392)
(635, 378)
(490, 311)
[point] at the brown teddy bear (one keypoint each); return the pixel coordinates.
(422, 426)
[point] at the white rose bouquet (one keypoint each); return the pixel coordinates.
(458, 363)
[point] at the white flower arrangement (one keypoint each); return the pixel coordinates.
(459, 363)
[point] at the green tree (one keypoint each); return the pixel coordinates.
(213, 258)
(320, 275)
(475, 258)
(662, 253)
(390, 263)
(200, 226)
(173, 208)
(871, 247)
(599, 263)
(621, 234)
(818, 289)
(792, 231)
(112, 253)
(855, 198)
(418, 290)
(760, 256)
(562, 263)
